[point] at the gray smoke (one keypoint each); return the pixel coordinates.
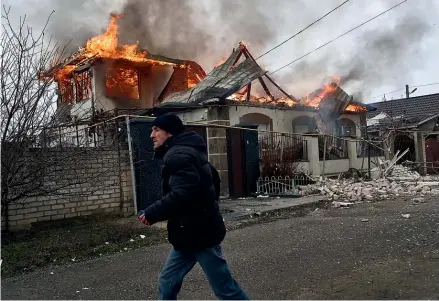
(206, 31)
(73, 22)
(376, 58)
(185, 29)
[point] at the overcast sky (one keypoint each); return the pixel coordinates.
(398, 48)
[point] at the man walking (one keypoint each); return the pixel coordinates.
(189, 204)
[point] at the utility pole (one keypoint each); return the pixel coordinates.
(407, 92)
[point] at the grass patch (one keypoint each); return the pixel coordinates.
(73, 240)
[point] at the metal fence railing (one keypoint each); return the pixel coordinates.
(336, 148)
(276, 185)
(376, 149)
(282, 185)
(279, 154)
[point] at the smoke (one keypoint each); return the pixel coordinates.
(203, 31)
(375, 58)
(188, 30)
(73, 22)
(206, 31)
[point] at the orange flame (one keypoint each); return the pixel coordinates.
(63, 73)
(355, 108)
(123, 82)
(107, 46)
(312, 100)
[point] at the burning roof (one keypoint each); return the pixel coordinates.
(106, 46)
(232, 80)
(223, 81)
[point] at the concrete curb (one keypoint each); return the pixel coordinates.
(240, 215)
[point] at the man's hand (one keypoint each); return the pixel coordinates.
(143, 218)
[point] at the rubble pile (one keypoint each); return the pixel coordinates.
(403, 173)
(401, 181)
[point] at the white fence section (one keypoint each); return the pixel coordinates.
(279, 185)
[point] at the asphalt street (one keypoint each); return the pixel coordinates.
(369, 251)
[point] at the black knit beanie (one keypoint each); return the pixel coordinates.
(170, 123)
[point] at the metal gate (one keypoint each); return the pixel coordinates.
(243, 161)
(252, 166)
(147, 169)
(432, 154)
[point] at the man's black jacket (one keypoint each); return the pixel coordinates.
(190, 194)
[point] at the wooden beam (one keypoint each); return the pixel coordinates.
(280, 89)
(267, 91)
(249, 88)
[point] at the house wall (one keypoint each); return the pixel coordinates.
(282, 120)
(82, 110)
(102, 187)
(428, 126)
(147, 89)
(199, 115)
(334, 166)
(279, 120)
(216, 138)
(356, 118)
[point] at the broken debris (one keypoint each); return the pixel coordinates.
(346, 191)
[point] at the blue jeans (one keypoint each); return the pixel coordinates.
(214, 266)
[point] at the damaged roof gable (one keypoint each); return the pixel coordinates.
(221, 82)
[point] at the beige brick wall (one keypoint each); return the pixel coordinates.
(100, 185)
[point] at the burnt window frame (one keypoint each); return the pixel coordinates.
(73, 85)
(67, 84)
(122, 95)
(77, 86)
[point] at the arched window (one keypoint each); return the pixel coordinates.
(304, 124)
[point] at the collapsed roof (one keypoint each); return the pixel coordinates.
(227, 81)
(223, 81)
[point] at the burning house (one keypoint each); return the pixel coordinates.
(327, 110)
(224, 97)
(104, 77)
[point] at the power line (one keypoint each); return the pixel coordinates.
(432, 84)
(424, 85)
(321, 46)
(302, 30)
(388, 93)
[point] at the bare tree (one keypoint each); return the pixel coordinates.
(30, 165)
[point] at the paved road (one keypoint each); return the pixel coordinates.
(329, 254)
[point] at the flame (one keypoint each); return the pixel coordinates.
(107, 46)
(123, 82)
(355, 108)
(312, 100)
(242, 96)
(191, 82)
(63, 73)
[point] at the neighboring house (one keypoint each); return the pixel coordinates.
(414, 113)
(400, 119)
